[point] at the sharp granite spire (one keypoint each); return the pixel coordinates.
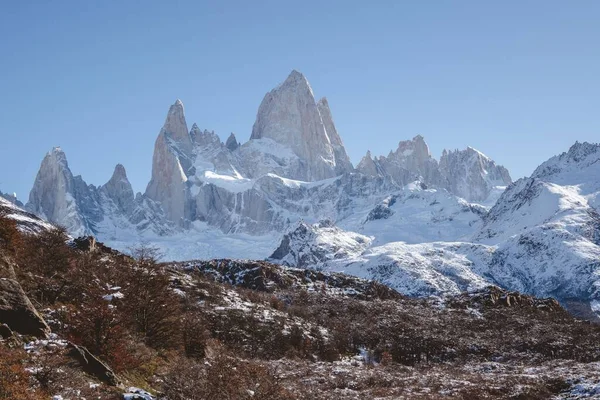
(289, 115)
(170, 164)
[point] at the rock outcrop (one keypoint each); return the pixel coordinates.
(92, 365)
(18, 313)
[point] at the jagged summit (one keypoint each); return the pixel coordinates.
(171, 162)
(119, 173)
(296, 78)
(176, 129)
(232, 143)
(468, 173)
(471, 174)
(119, 190)
(53, 194)
(289, 115)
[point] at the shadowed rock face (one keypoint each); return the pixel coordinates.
(18, 313)
(232, 142)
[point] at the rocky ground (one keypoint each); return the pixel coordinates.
(84, 321)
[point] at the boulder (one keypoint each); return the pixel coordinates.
(18, 313)
(92, 365)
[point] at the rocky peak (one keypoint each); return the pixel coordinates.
(575, 166)
(342, 161)
(171, 162)
(119, 189)
(411, 161)
(415, 151)
(207, 138)
(176, 129)
(289, 116)
(232, 143)
(367, 166)
(195, 131)
(472, 175)
(54, 193)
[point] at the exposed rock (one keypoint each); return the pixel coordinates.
(5, 331)
(7, 268)
(495, 297)
(368, 166)
(268, 277)
(232, 143)
(119, 190)
(289, 116)
(471, 175)
(85, 243)
(342, 161)
(92, 365)
(170, 164)
(53, 194)
(18, 313)
(11, 198)
(412, 156)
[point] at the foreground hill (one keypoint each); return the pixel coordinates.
(124, 326)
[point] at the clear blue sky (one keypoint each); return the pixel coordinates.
(517, 80)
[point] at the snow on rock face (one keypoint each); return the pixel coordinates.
(315, 245)
(342, 161)
(368, 166)
(467, 173)
(54, 194)
(547, 230)
(289, 115)
(170, 164)
(471, 175)
(579, 167)
(412, 156)
(417, 214)
(26, 221)
(415, 270)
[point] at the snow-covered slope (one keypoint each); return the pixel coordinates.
(424, 269)
(26, 221)
(541, 237)
(418, 214)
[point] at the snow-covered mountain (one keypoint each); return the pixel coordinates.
(541, 237)
(293, 167)
(418, 224)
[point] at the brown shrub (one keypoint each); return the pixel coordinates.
(14, 380)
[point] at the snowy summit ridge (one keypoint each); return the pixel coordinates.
(421, 225)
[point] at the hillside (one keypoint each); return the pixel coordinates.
(125, 326)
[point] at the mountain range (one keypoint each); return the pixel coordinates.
(291, 194)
